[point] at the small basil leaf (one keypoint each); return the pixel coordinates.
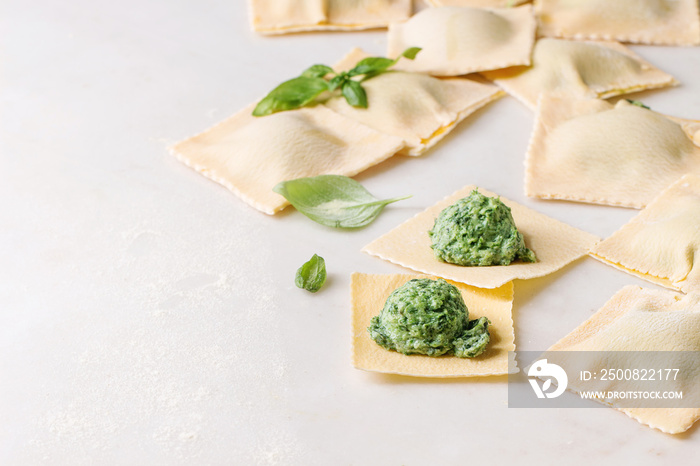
(638, 103)
(376, 65)
(312, 275)
(333, 200)
(371, 65)
(317, 71)
(337, 81)
(354, 94)
(410, 53)
(291, 94)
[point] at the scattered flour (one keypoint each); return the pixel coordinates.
(169, 376)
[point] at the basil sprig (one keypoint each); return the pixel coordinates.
(333, 200)
(312, 274)
(305, 89)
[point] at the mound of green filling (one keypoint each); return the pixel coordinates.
(478, 230)
(429, 317)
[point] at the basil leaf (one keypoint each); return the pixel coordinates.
(376, 65)
(338, 81)
(291, 94)
(312, 275)
(638, 103)
(303, 90)
(371, 65)
(317, 71)
(333, 200)
(410, 53)
(355, 94)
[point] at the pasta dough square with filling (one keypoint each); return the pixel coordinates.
(555, 244)
(662, 243)
(416, 107)
(640, 320)
(661, 22)
(284, 16)
(369, 293)
(581, 69)
(250, 155)
(462, 40)
(478, 3)
(593, 151)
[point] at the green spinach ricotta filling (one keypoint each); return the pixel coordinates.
(476, 231)
(429, 317)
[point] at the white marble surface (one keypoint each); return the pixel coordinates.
(147, 316)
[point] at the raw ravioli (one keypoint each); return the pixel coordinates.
(662, 243)
(477, 3)
(462, 40)
(416, 107)
(661, 22)
(593, 151)
(250, 155)
(640, 320)
(579, 69)
(284, 16)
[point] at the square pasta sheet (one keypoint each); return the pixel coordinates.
(285, 16)
(554, 243)
(369, 293)
(593, 151)
(416, 107)
(636, 320)
(662, 243)
(581, 69)
(250, 155)
(660, 22)
(462, 40)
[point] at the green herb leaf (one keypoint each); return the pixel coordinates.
(371, 65)
(637, 103)
(355, 94)
(312, 275)
(303, 90)
(317, 71)
(333, 200)
(338, 81)
(376, 65)
(290, 95)
(410, 53)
